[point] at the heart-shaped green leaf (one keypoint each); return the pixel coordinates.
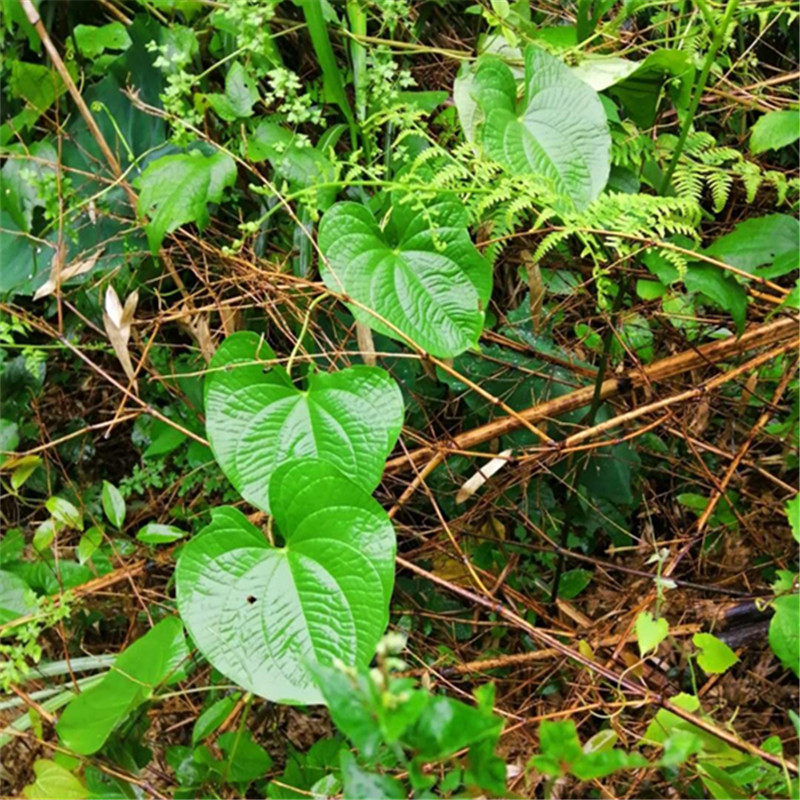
(256, 420)
(260, 614)
(421, 273)
(559, 129)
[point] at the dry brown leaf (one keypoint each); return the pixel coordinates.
(117, 320)
(61, 277)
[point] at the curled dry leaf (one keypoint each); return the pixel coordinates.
(481, 476)
(117, 320)
(60, 277)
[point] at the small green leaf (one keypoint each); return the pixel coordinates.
(243, 759)
(177, 189)
(650, 632)
(153, 533)
(89, 543)
(9, 437)
(774, 130)
(44, 535)
(421, 273)
(54, 782)
(559, 130)
(241, 94)
(89, 719)
(23, 469)
(261, 613)
(212, 718)
(793, 515)
(256, 421)
(113, 505)
(784, 631)
(93, 41)
(715, 656)
(65, 513)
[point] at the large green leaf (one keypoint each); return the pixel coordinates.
(260, 613)
(177, 189)
(723, 290)
(421, 272)
(774, 130)
(757, 241)
(255, 421)
(641, 91)
(156, 657)
(559, 129)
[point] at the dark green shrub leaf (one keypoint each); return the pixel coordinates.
(422, 273)
(260, 613)
(255, 421)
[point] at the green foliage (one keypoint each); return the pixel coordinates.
(388, 720)
(715, 656)
(177, 189)
(558, 131)
(561, 753)
(261, 614)
(257, 419)
(155, 658)
(420, 275)
(54, 782)
(650, 632)
(590, 150)
(774, 130)
(784, 631)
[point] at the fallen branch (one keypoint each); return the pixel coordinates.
(711, 353)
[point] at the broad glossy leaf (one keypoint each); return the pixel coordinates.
(361, 784)
(559, 129)
(256, 421)
(177, 189)
(260, 613)
(421, 272)
(90, 718)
